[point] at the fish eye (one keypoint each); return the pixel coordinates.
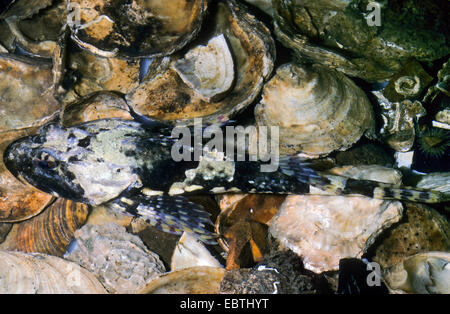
(45, 161)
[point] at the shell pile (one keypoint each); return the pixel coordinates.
(357, 92)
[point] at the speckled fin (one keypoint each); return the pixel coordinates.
(171, 214)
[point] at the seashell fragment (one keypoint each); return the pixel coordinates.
(190, 252)
(317, 110)
(164, 95)
(27, 94)
(423, 230)
(265, 5)
(135, 28)
(120, 260)
(22, 9)
(50, 232)
(195, 280)
(325, 229)
(18, 201)
(426, 273)
(208, 70)
(101, 105)
(22, 273)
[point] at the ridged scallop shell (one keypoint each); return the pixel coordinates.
(164, 95)
(316, 109)
(135, 28)
(51, 231)
(22, 273)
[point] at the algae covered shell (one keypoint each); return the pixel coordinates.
(44, 274)
(135, 28)
(317, 110)
(343, 34)
(165, 95)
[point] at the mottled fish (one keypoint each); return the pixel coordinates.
(128, 165)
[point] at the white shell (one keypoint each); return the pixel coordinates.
(325, 229)
(209, 70)
(190, 252)
(316, 109)
(370, 172)
(422, 273)
(44, 274)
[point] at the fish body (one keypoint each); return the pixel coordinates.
(130, 165)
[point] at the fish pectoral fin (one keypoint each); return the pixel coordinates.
(300, 168)
(171, 214)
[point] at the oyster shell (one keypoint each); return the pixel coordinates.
(119, 260)
(325, 229)
(101, 105)
(22, 9)
(337, 34)
(50, 232)
(265, 5)
(164, 95)
(18, 201)
(208, 70)
(26, 86)
(38, 35)
(135, 28)
(194, 280)
(423, 230)
(91, 73)
(316, 109)
(424, 273)
(43, 274)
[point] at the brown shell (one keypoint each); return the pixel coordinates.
(18, 201)
(102, 105)
(26, 86)
(195, 280)
(94, 73)
(38, 34)
(23, 9)
(51, 231)
(164, 95)
(135, 28)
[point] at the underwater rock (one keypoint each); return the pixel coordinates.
(120, 260)
(424, 230)
(367, 154)
(258, 280)
(317, 110)
(325, 229)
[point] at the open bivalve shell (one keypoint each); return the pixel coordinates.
(22, 273)
(219, 76)
(317, 110)
(135, 28)
(422, 273)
